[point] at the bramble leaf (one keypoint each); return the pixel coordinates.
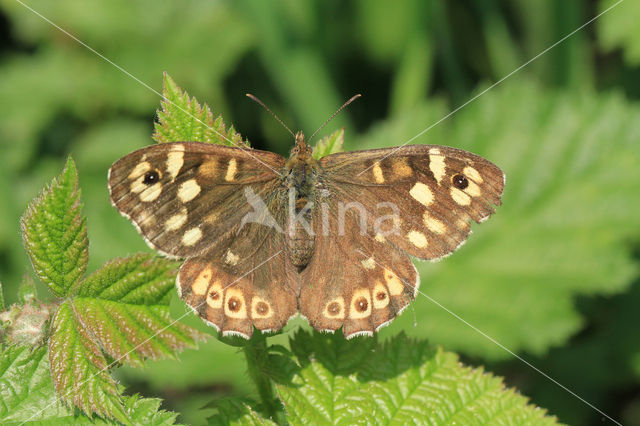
(231, 411)
(120, 311)
(125, 307)
(329, 144)
(183, 119)
(79, 369)
(27, 394)
(55, 233)
(360, 381)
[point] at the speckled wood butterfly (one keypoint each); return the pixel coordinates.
(266, 237)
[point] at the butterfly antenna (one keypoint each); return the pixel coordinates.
(353, 98)
(249, 95)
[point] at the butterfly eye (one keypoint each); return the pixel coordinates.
(151, 177)
(459, 181)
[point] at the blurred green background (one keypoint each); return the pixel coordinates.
(553, 276)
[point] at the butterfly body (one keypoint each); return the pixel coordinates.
(266, 238)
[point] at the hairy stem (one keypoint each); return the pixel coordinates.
(256, 353)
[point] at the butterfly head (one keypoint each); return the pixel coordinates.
(301, 151)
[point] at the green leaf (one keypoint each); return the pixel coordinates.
(618, 29)
(183, 119)
(359, 381)
(232, 411)
(121, 310)
(80, 370)
(125, 307)
(55, 233)
(28, 396)
(563, 227)
(329, 144)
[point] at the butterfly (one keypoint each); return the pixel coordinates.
(266, 238)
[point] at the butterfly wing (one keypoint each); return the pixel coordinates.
(422, 198)
(354, 280)
(192, 200)
(386, 205)
(184, 196)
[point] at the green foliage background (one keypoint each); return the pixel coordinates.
(553, 275)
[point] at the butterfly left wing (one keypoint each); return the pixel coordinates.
(386, 205)
(429, 193)
(354, 280)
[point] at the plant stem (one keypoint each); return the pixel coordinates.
(257, 355)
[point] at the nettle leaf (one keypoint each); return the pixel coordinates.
(563, 228)
(120, 312)
(329, 144)
(183, 119)
(27, 395)
(618, 28)
(55, 233)
(360, 381)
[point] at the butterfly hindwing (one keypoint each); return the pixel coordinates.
(354, 281)
(185, 196)
(242, 283)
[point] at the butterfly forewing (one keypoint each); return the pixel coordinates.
(184, 196)
(429, 193)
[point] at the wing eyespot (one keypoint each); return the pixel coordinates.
(459, 181)
(151, 177)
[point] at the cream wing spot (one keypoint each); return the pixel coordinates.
(437, 166)
(139, 170)
(334, 308)
(151, 193)
(201, 283)
(460, 197)
(417, 238)
(377, 173)
(192, 236)
(380, 238)
(422, 194)
(473, 189)
(232, 168)
(473, 174)
(176, 221)
(188, 190)
(360, 304)
(433, 224)
(234, 304)
(231, 258)
(393, 282)
(369, 263)
(175, 161)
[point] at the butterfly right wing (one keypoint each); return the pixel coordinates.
(184, 196)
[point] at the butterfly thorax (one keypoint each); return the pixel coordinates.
(302, 173)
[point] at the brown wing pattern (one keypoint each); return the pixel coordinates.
(354, 280)
(183, 196)
(429, 194)
(243, 282)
